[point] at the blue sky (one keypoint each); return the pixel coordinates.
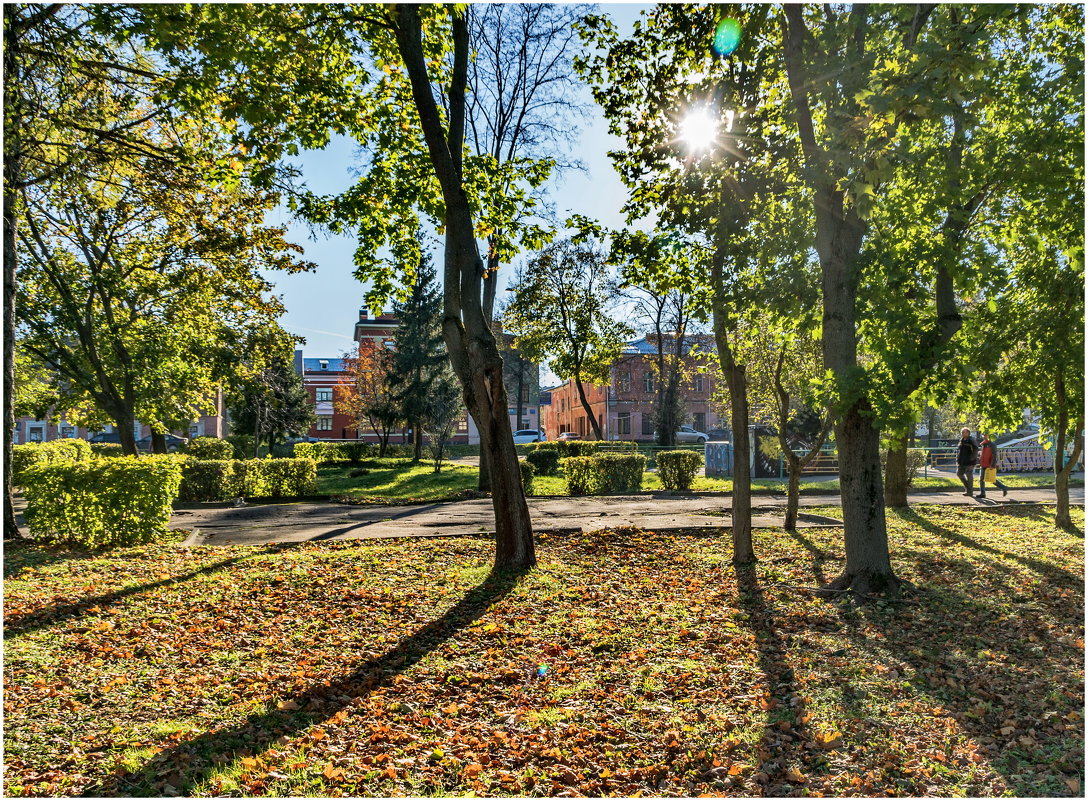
(323, 306)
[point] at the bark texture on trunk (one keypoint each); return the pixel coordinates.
(12, 169)
(868, 566)
(473, 349)
(1064, 467)
(158, 443)
(895, 474)
(793, 499)
(126, 424)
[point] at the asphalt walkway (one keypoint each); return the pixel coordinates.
(261, 524)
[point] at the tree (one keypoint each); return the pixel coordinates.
(375, 73)
(706, 153)
(137, 281)
(665, 306)
(559, 311)
(420, 358)
(442, 411)
(368, 398)
(272, 403)
(57, 78)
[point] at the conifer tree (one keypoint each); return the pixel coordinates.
(421, 352)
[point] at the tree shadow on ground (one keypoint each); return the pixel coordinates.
(1060, 577)
(185, 765)
(785, 732)
(993, 665)
(819, 556)
(26, 554)
(19, 625)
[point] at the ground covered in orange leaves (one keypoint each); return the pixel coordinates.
(629, 663)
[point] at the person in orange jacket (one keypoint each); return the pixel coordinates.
(987, 457)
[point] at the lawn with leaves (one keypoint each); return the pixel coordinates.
(628, 663)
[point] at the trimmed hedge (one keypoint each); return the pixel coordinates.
(566, 448)
(677, 469)
(224, 479)
(604, 474)
(58, 451)
(545, 462)
(206, 448)
(354, 452)
(528, 473)
(107, 449)
(206, 480)
(103, 502)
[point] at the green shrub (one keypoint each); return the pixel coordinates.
(549, 445)
(207, 480)
(620, 472)
(581, 473)
(528, 473)
(290, 478)
(677, 469)
(916, 460)
(210, 448)
(357, 451)
(103, 502)
(604, 474)
(250, 479)
(546, 462)
(576, 447)
(107, 450)
(58, 451)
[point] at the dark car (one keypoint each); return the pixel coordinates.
(720, 435)
(173, 443)
(109, 437)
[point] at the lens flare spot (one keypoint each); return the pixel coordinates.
(727, 37)
(699, 129)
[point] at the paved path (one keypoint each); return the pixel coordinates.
(219, 524)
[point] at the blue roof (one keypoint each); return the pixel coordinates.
(644, 347)
(314, 365)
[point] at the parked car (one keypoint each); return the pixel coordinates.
(568, 436)
(173, 443)
(719, 435)
(688, 435)
(109, 437)
(528, 435)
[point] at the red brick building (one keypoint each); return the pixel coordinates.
(624, 408)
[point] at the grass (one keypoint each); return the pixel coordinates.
(399, 667)
(396, 480)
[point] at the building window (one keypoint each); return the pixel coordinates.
(699, 382)
(648, 382)
(194, 430)
(624, 382)
(647, 425)
(35, 435)
(324, 422)
(324, 394)
(324, 364)
(67, 432)
(525, 394)
(623, 424)
(699, 421)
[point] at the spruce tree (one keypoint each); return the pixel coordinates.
(421, 354)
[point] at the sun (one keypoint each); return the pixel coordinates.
(699, 129)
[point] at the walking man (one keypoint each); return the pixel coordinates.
(966, 459)
(987, 460)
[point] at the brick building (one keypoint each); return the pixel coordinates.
(624, 408)
(322, 376)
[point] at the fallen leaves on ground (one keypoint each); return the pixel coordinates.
(628, 663)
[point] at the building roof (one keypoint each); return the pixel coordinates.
(644, 347)
(314, 365)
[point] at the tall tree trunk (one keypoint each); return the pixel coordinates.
(895, 474)
(1064, 467)
(417, 441)
(126, 430)
(12, 177)
(158, 442)
(737, 379)
(588, 409)
(793, 494)
(471, 343)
